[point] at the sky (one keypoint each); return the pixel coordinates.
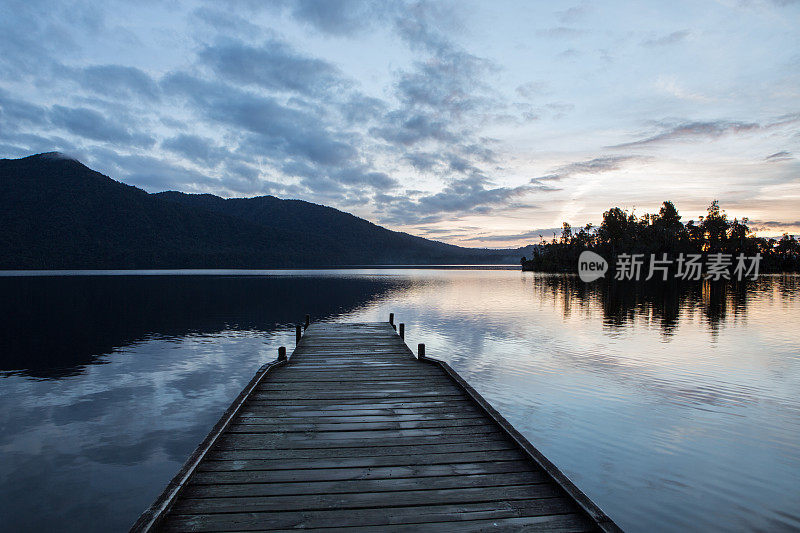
(475, 123)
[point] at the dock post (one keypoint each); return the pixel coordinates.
(402, 330)
(308, 321)
(282, 353)
(297, 334)
(421, 350)
(391, 318)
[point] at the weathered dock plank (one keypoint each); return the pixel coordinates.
(354, 433)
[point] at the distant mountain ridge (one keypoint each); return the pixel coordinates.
(299, 215)
(56, 213)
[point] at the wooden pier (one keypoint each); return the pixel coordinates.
(355, 433)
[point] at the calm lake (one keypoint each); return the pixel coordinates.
(673, 407)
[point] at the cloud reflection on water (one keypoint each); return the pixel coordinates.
(651, 398)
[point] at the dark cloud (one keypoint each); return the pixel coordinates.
(12, 151)
(366, 177)
(481, 150)
(440, 234)
(247, 173)
(32, 32)
(544, 233)
(456, 163)
(597, 165)
(439, 86)
(771, 224)
(324, 190)
(274, 65)
(691, 130)
(447, 84)
(278, 131)
(434, 231)
(236, 177)
(147, 172)
(339, 17)
(275, 109)
(195, 148)
(93, 125)
(117, 81)
(24, 144)
(226, 22)
(441, 99)
(300, 116)
(452, 83)
(346, 185)
(419, 28)
(402, 127)
(464, 196)
(450, 162)
(560, 32)
(359, 108)
(294, 167)
(672, 38)
(15, 112)
(298, 137)
(422, 161)
(444, 101)
(687, 130)
(318, 147)
(779, 156)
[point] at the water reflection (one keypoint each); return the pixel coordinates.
(669, 409)
(663, 304)
(108, 383)
(55, 326)
(670, 405)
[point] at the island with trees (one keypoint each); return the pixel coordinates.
(623, 233)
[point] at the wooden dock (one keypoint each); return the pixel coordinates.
(355, 433)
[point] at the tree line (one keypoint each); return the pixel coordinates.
(623, 232)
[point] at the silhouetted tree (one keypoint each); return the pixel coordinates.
(664, 233)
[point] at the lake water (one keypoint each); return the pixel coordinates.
(674, 407)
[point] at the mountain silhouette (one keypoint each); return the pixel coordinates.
(56, 213)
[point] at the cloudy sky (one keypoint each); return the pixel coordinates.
(476, 123)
